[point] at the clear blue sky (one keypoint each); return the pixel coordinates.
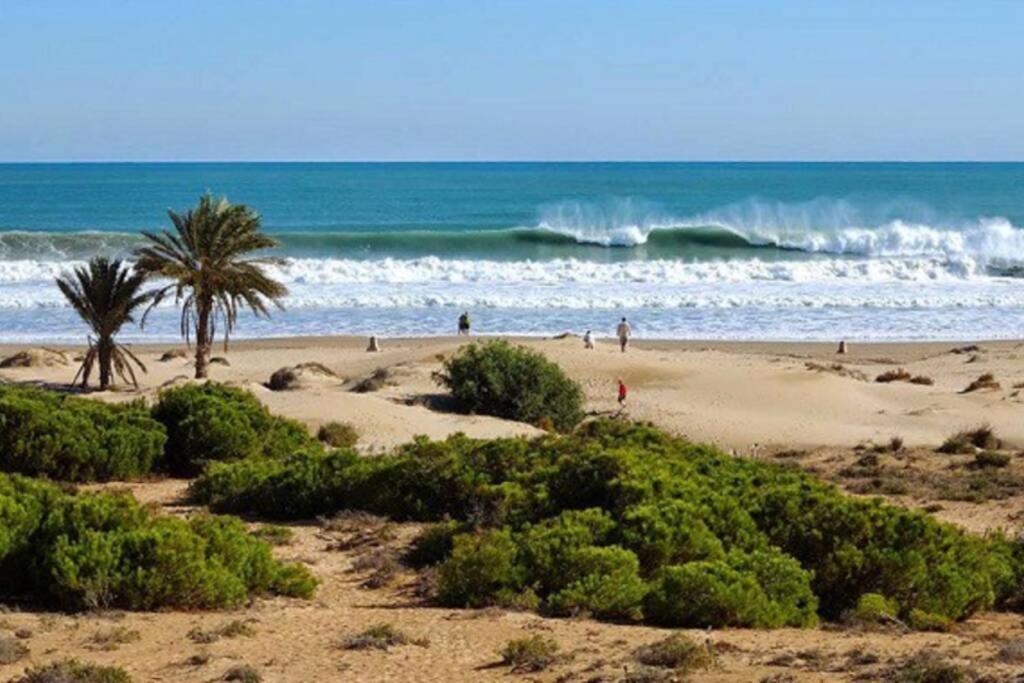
(478, 80)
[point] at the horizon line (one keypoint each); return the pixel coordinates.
(506, 161)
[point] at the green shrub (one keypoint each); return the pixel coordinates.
(762, 545)
(534, 653)
(105, 550)
(717, 593)
(482, 568)
(47, 433)
(214, 422)
(675, 652)
(74, 671)
(497, 378)
(338, 434)
(919, 620)
(434, 544)
(601, 581)
(873, 608)
(668, 532)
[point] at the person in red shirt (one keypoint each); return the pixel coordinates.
(622, 393)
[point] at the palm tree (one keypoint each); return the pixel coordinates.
(105, 295)
(207, 259)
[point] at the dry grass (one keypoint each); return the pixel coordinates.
(11, 650)
(675, 652)
(836, 369)
(897, 375)
(338, 434)
(243, 673)
(380, 378)
(381, 637)
(531, 654)
(113, 638)
(232, 629)
(984, 382)
(274, 534)
(966, 441)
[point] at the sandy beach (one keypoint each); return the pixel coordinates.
(746, 397)
(801, 403)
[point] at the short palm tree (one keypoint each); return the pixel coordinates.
(208, 260)
(105, 294)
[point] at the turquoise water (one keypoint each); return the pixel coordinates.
(779, 251)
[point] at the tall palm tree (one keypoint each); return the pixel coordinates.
(105, 294)
(207, 258)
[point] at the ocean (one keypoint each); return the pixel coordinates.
(779, 251)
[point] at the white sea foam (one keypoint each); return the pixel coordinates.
(835, 227)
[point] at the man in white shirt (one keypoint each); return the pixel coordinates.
(625, 332)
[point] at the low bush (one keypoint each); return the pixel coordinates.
(105, 550)
(434, 544)
(717, 593)
(47, 433)
(992, 459)
(73, 671)
(112, 638)
(482, 567)
(338, 434)
(897, 375)
(919, 620)
(531, 654)
(623, 521)
(922, 380)
(928, 667)
(213, 422)
(873, 608)
(243, 673)
(675, 652)
(380, 637)
(967, 440)
(497, 378)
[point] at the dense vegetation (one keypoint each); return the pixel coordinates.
(48, 433)
(497, 378)
(626, 522)
(213, 422)
(75, 439)
(105, 550)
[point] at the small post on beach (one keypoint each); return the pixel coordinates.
(374, 346)
(842, 347)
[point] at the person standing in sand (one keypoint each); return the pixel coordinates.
(624, 331)
(464, 323)
(588, 340)
(623, 391)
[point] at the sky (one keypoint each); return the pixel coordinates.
(133, 80)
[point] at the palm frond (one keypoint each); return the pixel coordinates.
(211, 258)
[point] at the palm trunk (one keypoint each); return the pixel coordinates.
(203, 341)
(105, 353)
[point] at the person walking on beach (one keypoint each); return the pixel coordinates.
(623, 391)
(588, 340)
(625, 332)
(464, 323)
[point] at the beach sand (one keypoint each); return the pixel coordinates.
(799, 402)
